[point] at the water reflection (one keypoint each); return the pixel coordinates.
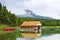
(46, 37)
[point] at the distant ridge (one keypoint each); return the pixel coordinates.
(29, 13)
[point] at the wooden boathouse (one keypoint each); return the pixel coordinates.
(31, 29)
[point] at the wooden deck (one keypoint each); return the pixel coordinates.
(30, 35)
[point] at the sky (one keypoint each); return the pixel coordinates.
(50, 8)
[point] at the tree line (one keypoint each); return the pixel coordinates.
(8, 18)
(44, 22)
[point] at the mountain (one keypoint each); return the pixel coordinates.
(29, 13)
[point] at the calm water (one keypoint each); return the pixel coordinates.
(46, 37)
(47, 34)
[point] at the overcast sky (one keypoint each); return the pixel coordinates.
(49, 8)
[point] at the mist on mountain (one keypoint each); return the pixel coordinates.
(30, 13)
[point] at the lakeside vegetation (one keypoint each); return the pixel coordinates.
(44, 27)
(12, 36)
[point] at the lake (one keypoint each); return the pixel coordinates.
(47, 34)
(46, 37)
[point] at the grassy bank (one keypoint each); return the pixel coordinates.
(12, 36)
(9, 36)
(50, 27)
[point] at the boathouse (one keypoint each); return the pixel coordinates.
(31, 28)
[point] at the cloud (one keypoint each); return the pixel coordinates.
(49, 8)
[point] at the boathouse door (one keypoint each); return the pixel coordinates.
(38, 29)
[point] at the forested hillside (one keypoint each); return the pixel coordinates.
(45, 22)
(8, 18)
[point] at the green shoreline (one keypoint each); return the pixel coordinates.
(46, 30)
